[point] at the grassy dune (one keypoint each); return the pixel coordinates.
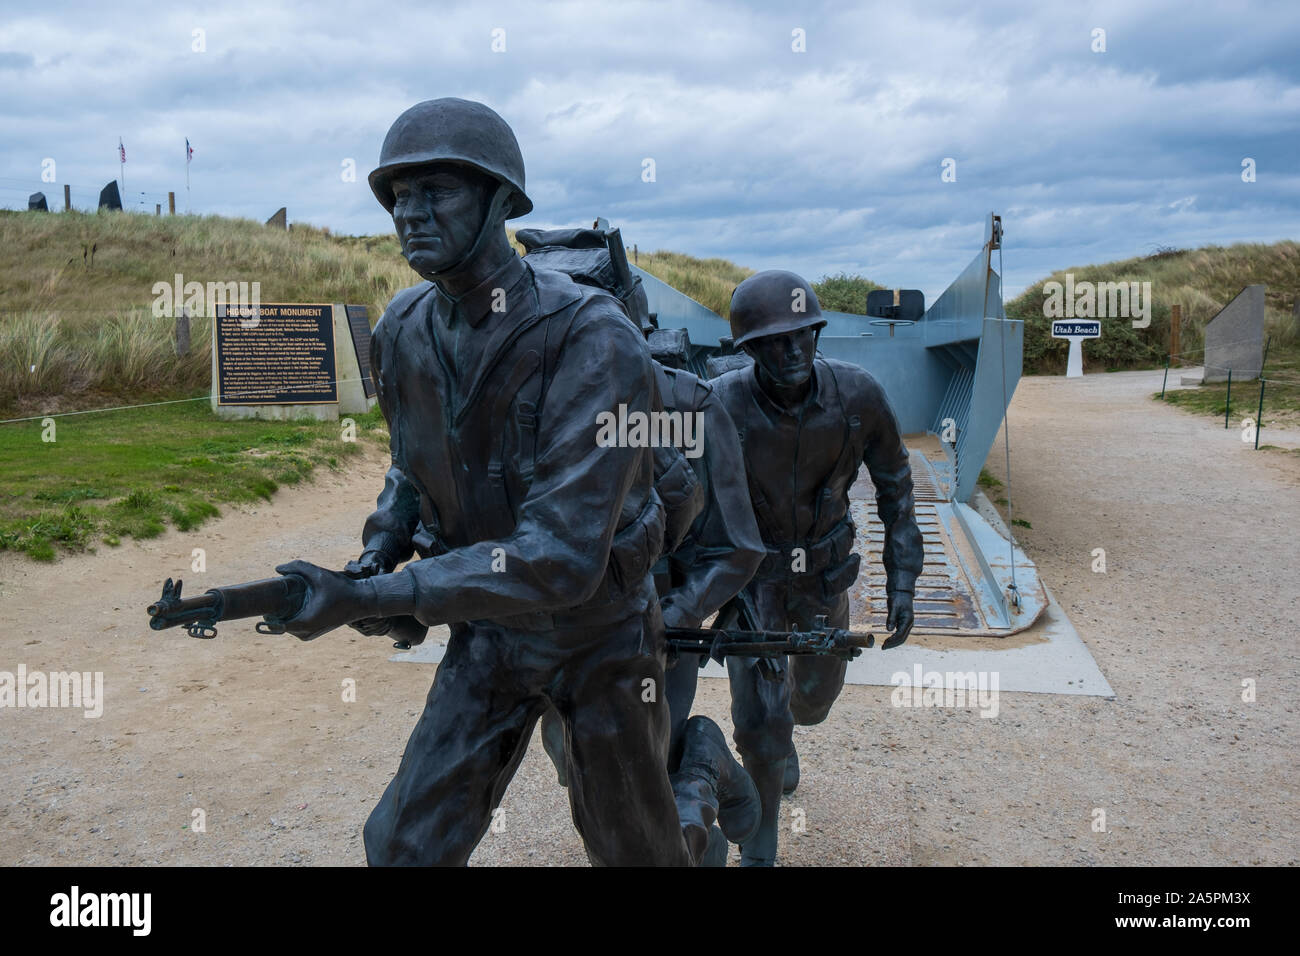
(1203, 281)
(77, 331)
(76, 289)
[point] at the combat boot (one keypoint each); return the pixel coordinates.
(707, 759)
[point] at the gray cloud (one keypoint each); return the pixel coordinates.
(822, 161)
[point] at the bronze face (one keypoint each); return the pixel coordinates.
(438, 212)
(785, 360)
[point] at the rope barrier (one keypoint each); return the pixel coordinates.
(173, 401)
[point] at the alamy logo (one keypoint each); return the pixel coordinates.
(196, 299)
(103, 909)
(1086, 300)
(684, 430)
(55, 689)
(948, 689)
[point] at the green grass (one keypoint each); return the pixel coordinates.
(987, 480)
(135, 472)
(1281, 397)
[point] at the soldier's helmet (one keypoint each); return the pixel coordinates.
(451, 130)
(773, 303)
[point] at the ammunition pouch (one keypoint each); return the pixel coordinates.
(831, 556)
(840, 577)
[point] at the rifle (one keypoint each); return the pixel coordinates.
(278, 599)
(821, 640)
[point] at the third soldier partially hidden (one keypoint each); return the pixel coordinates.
(806, 425)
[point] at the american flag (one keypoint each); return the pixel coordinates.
(189, 150)
(121, 150)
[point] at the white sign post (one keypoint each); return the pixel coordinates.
(1076, 330)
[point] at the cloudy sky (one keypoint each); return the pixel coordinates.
(823, 159)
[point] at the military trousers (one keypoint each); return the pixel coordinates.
(764, 711)
(494, 683)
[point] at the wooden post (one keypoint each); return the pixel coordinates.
(157, 209)
(1176, 332)
(67, 198)
(171, 204)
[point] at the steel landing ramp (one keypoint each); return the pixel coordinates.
(965, 587)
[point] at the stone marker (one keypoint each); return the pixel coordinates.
(183, 332)
(280, 220)
(109, 197)
(36, 202)
(1234, 339)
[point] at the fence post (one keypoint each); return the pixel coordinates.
(1176, 329)
(171, 204)
(1166, 381)
(1259, 417)
(67, 198)
(1228, 411)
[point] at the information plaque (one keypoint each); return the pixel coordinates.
(276, 354)
(359, 326)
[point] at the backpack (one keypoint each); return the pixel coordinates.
(595, 257)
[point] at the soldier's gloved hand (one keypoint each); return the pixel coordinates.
(370, 563)
(333, 599)
(900, 618)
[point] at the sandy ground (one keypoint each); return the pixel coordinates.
(1201, 593)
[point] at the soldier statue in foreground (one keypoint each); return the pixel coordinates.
(806, 425)
(536, 539)
(536, 543)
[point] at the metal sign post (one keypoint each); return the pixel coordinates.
(1076, 331)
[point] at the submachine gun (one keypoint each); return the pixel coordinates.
(769, 647)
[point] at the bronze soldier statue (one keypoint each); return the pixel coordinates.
(806, 425)
(715, 554)
(535, 542)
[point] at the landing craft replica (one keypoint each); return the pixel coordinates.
(949, 372)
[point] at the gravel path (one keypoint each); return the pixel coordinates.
(1200, 593)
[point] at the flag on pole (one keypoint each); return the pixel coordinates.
(189, 150)
(121, 151)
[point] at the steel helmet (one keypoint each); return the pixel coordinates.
(451, 130)
(773, 303)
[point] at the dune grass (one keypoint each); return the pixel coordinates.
(1202, 281)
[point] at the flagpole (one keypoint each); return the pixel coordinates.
(187, 176)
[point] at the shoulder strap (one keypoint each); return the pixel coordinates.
(767, 523)
(850, 451)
